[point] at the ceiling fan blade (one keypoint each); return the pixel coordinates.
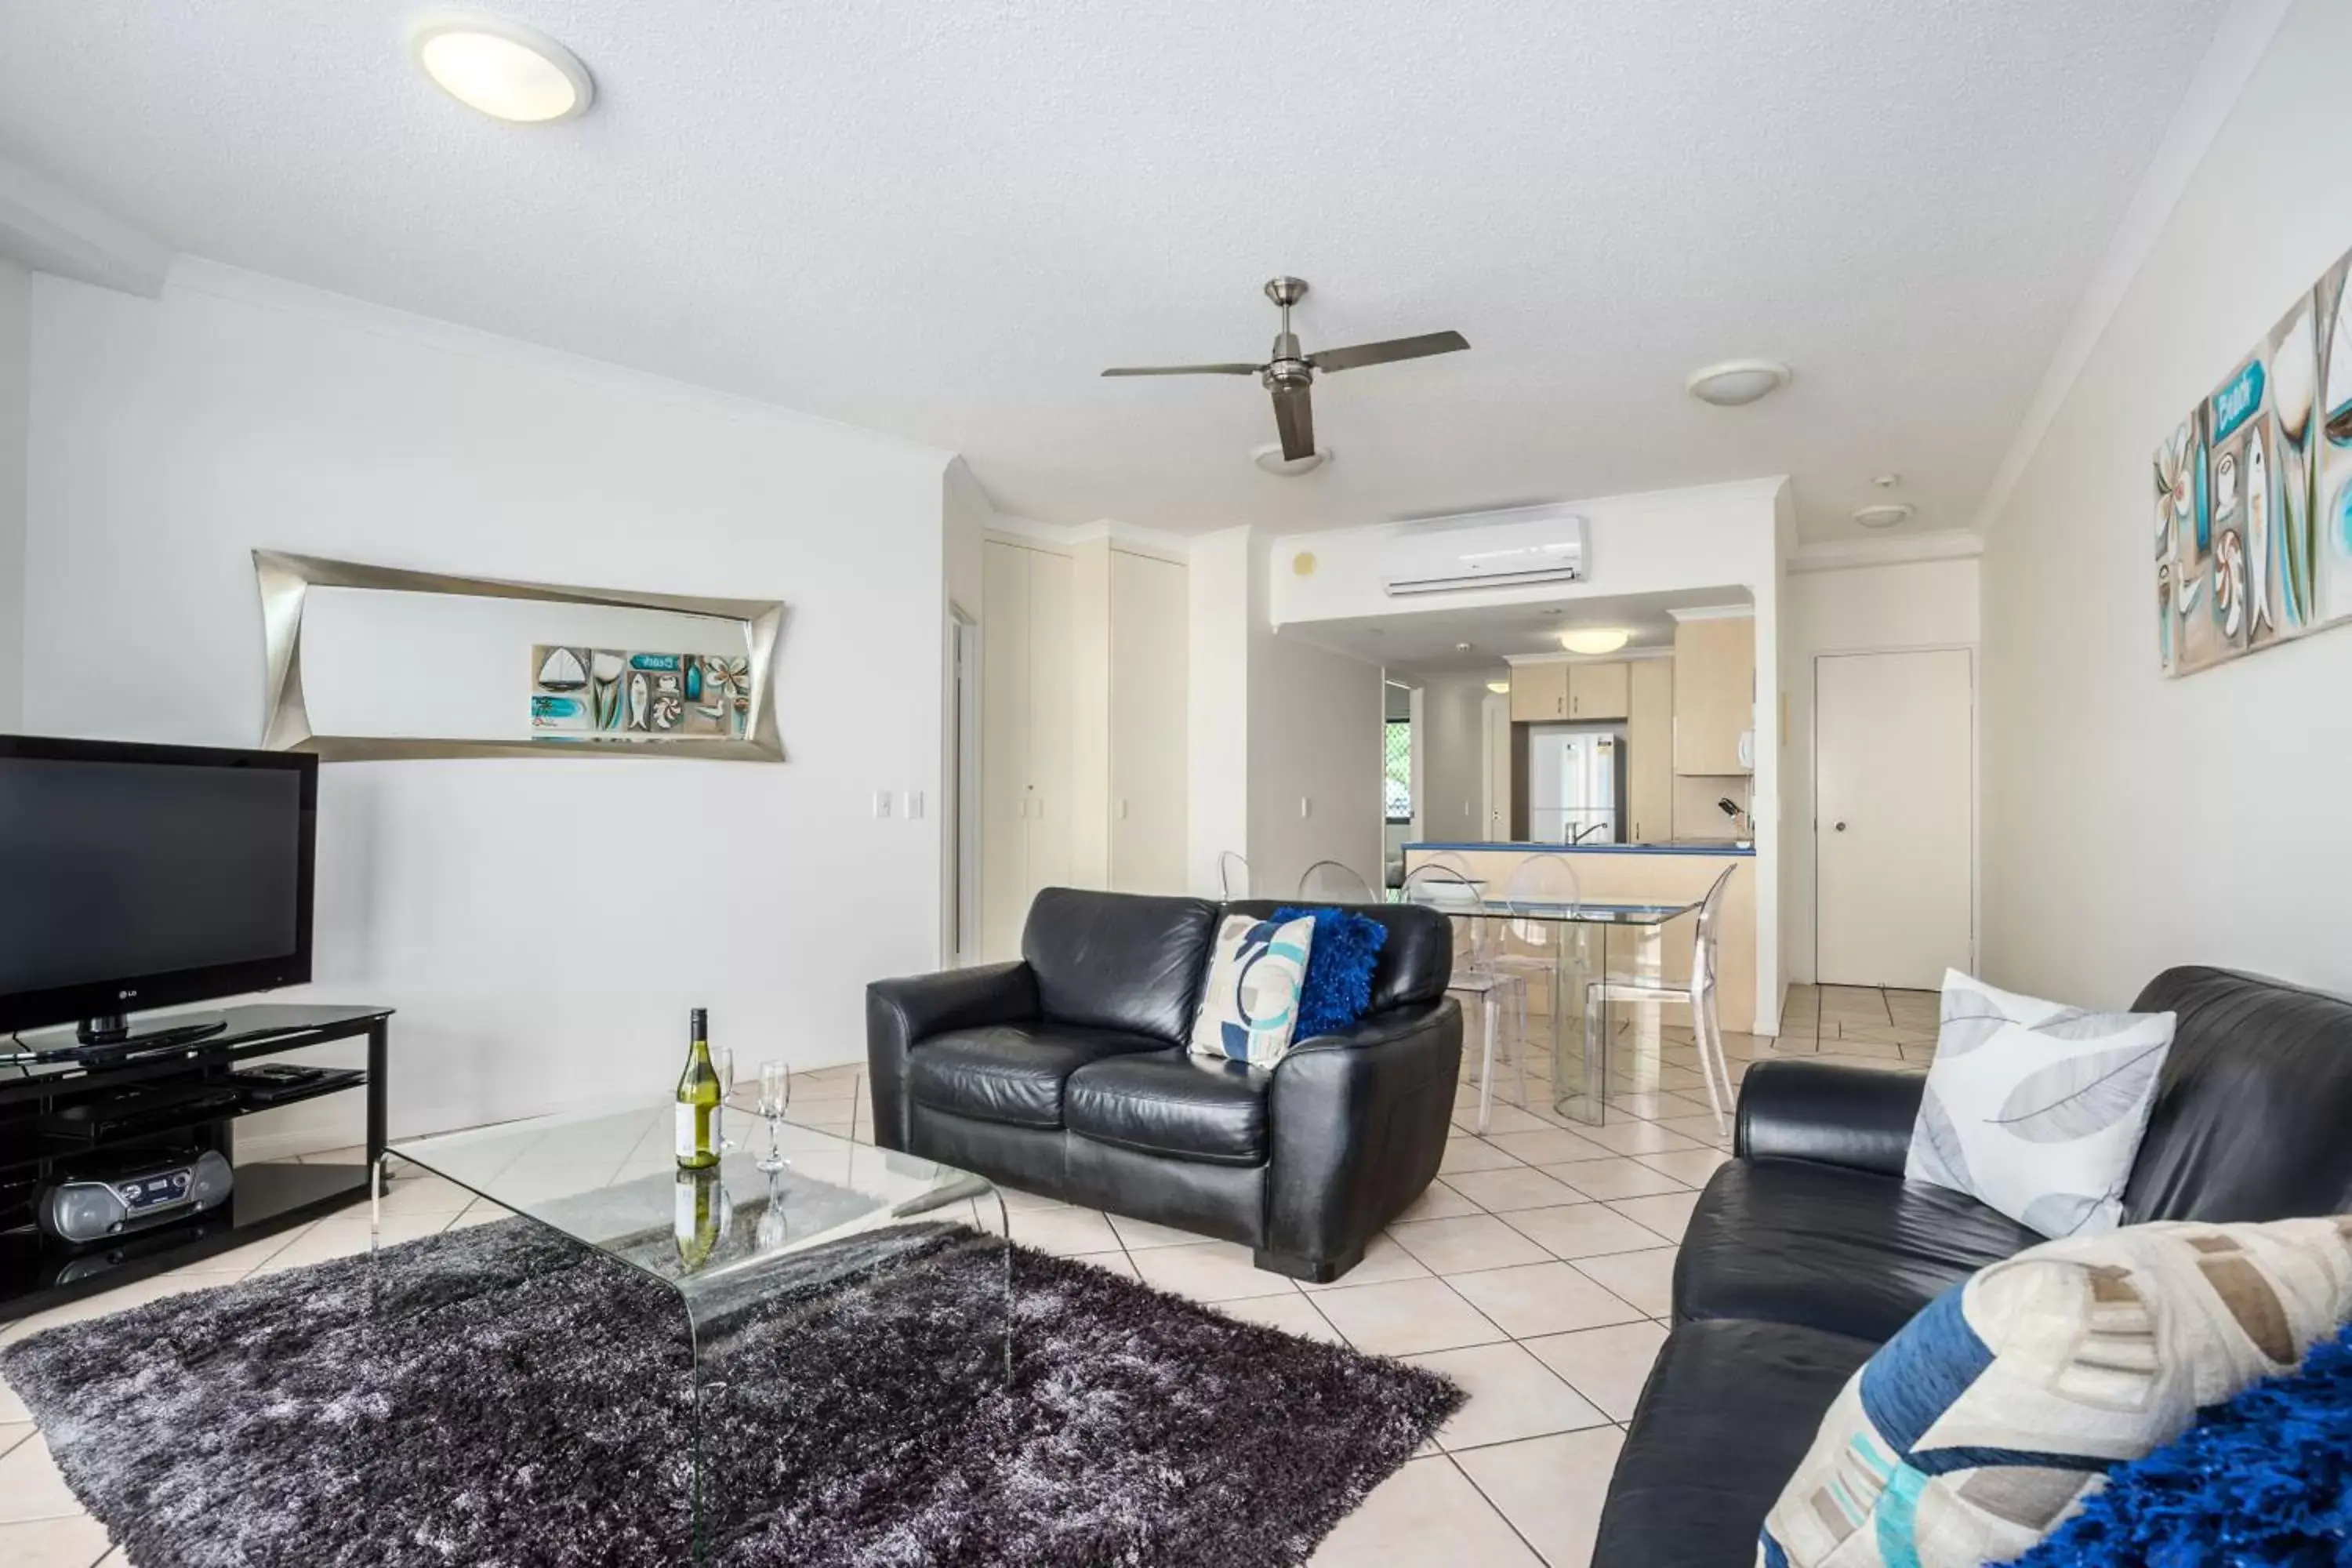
(1187, 370)
(1394, 348)
(1293, 415)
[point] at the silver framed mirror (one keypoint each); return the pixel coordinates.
(370, 663)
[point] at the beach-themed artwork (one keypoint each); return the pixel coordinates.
(603, 694)
(2253, 494)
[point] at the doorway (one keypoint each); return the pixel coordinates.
(1893, 816)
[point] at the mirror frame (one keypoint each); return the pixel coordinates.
(287, 579)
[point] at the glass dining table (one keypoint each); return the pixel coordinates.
(1584, 942)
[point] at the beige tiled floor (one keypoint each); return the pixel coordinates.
(1535, 1273)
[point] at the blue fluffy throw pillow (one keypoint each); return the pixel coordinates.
(1339, 968)
(2263, 1481)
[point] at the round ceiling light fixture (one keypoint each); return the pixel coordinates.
(1738, 381)
(503, 68)
(1887, 515)
(1269, 457)
(1499, 688)
(1595, 639)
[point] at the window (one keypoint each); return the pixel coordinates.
(1397, 784)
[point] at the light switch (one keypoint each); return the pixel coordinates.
(1305, 805)
(914, 805)
(881, 803)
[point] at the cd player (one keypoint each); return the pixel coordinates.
(139, 1192)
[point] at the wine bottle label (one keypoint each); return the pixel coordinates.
(687, 1147)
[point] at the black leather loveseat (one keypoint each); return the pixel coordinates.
(1066, 1073)
(1809, 1249)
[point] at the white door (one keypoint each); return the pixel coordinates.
(1894, 793)
(1496, 828)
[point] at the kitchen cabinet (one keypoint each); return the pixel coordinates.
(1597, 690)
(1538, 692)
(1025, 735)
(1715, 695)
(1650, 750)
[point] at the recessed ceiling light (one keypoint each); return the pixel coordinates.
(1886, 481)
(1462, 647)
(1885, 515)
(1595, 639)
(1499, 688)
(505, 69)
(1269, 457)
(1738, 381)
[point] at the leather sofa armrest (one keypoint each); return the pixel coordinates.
(900, 1012)
(1360, 1120)
(1828, 1112)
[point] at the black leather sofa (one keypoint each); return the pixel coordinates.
(1809, 1249)
(1066, 1073)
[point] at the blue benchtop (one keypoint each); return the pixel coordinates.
(1589, 848)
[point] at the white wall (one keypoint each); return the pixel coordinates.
(1217, 704)
(1314, 735)
(542, 925)
(16, 370)
(2133, 822)
(1453, 741)
(1906, 604)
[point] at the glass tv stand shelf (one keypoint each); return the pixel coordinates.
(38, 1272)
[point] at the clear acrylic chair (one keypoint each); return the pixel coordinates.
(1331, 882)
(1707, 1026)
(1539, 879)
(1232, 876)
(1475, 974)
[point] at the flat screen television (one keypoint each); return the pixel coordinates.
(134, 877)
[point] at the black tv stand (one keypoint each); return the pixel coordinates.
(36, 1273)
(112, 1032)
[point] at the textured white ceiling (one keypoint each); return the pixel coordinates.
(942, 220)
(1428, 642)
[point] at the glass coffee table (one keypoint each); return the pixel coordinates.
(728, 1241)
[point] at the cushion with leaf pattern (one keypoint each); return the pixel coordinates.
(2036, 1109)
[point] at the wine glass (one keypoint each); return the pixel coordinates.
(726, 1092)
(775, 1095)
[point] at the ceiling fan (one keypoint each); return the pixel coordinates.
(1289, 375)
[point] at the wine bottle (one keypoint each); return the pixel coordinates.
(697, 1101)
(699, 1217)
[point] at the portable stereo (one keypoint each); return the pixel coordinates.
(141, 1192)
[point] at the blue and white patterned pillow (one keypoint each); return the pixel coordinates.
(1250, 1009)
(1975, 1430)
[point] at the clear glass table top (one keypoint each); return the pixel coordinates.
(1587, 911)
(610, 1180)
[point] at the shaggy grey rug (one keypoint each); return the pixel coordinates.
(497, 1396)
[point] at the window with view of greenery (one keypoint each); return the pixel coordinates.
(1398, 785)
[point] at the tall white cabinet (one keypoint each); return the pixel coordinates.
(1081, 726)
(1025, 806)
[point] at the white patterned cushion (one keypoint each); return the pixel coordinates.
(1250, 1006)
(1973, 1431)
(2035, 1108)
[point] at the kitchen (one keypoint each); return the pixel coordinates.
(1625, 750)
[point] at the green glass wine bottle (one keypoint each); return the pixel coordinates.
(700, 1216)
(698, 1101)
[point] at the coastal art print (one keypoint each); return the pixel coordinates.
(2253, 494)
(602, 694)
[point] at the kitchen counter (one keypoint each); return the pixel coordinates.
(1717, 846)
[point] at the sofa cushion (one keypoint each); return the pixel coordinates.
(1416, 962)
(1967, 1435)
(2037, 1108)
(1011, 1073)
(1729, 1409)
(2250, 1115)
(1850, 1252)
(1173, 1103)
(1118, 961)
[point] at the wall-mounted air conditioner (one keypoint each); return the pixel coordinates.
(1487, 549)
